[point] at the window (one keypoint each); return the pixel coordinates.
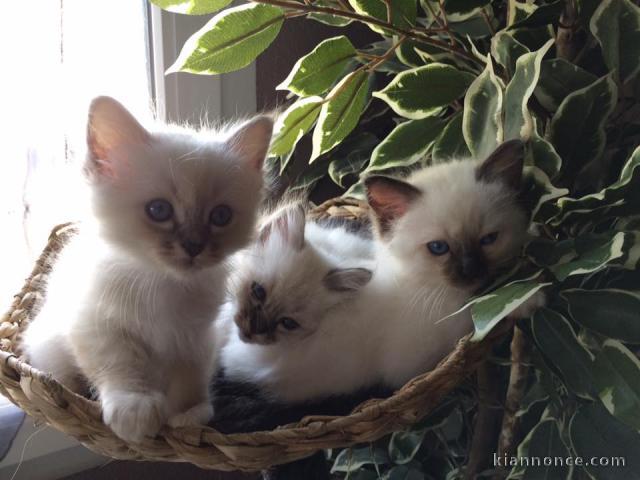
(56, 56)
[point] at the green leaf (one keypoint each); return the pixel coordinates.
(192, 7)
(328, 19)
(450, 144)
(617, 374)
(488, 310)
(341, 113)
(294, 123)
(613, 313)
(403, 446)
(543, 15)
(558, 79)
(592, 259)
(406, 92)
(403, 12)
(314, 73)
(351, 157)
(537, 190)
(482, 121)
(621, 190)
(544, 441)
(577, 129)
(518, 122)
(407, 54)
(407, 144)
(595, 435)
(403, 472)
(351, 459)
(556, 339)
(506, 50)
(616, 26)
(231, 40)
(463, 6)
(544, 156)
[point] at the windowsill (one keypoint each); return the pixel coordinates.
(42, 453)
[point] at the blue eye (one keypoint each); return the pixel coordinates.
(438, 247)
(220, 216)
(258, 291)
(289, 323)
(489, 239)
(159, 210)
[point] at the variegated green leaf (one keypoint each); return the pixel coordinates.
(406, 92)
(518, 122)
(450, 144)
(407, 144)
(351, 459)
(400, 13)
(506, 50)
(629, 181)
(463, 6)
(294, 122)
(403, 446)
(542, 15)
(617, 375)
(538, 190)
(595, 434)
(314, 73)
(616, 26)
(593, 258)
(482, 121)
(351, 157)
(230, 40)
(577, 128)
(558, 342)
(488, 310)
(403, 472)
(558, 79)
(543, 441)
(341, 113)
(192, 7)
(544, 156)
(612, 313)
(326, 18)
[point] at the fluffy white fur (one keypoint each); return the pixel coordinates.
(128, 310)
(390, 331)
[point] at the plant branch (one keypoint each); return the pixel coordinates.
(520, 359)
(421, 35)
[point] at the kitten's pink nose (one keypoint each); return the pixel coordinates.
(193, 249)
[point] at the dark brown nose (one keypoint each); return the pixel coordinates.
(192, 248)
(472, 267)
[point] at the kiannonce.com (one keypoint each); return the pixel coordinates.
(526, 461)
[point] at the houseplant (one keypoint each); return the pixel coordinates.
(454, 78)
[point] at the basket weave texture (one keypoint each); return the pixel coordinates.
(47, 401)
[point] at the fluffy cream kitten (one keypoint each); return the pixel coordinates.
(441, 234)
(131, 297)
(296, 277)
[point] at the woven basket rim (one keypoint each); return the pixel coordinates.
(45, 399)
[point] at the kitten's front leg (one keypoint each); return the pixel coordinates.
(133, 415)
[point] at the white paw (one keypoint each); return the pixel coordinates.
(527, 309)
(197, 415)
(133, 415)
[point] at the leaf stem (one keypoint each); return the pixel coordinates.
(421, 35)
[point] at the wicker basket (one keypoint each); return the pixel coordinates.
(48, 401)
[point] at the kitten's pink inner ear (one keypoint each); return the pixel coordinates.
(252, 139)
(289, 223)
(111, 126)
(505, 164)
(389, 199)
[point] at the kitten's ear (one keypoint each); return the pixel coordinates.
(505, 165)
(110, 126)
(251, 140)
(347, 279)
(288, 223)
(389, 199)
